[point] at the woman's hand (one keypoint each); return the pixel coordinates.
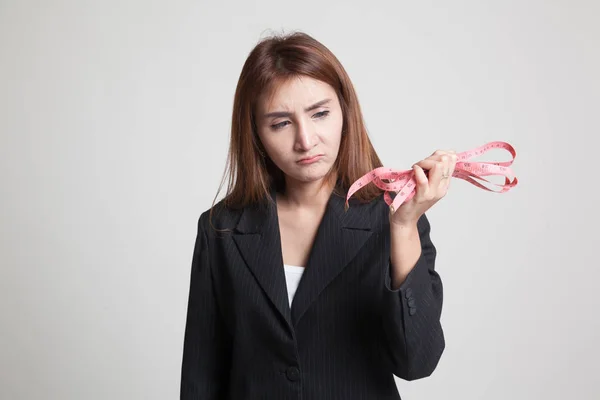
(429, 190)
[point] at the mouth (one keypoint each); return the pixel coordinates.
(308, 160)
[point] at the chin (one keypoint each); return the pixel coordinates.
(309, 174)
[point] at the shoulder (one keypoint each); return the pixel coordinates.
(363, 214)
(379, 211)
(218, 219)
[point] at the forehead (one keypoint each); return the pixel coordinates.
(295, 94)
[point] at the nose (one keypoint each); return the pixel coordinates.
(306, 137)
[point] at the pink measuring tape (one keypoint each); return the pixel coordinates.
(404, 183)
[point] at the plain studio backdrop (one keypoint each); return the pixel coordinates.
(114, 122)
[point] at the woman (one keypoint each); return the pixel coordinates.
(292, 296)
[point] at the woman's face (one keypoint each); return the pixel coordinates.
(300, 127)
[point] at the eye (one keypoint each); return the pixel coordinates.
(279, 125)
(283, 124)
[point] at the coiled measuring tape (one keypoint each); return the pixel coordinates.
(403, 183)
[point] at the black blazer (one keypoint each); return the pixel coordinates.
(346, 333)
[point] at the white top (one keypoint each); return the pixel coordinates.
(293, 274)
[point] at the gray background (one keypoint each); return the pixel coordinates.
(114, 122)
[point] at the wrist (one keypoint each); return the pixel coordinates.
(403, 226)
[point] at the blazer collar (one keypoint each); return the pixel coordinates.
(339, 237)
(257, 218)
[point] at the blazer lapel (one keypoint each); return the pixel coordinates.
(339, 237)
(259, 242)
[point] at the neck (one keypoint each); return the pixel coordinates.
(307, 194)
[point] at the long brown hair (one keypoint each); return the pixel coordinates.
(273, 61)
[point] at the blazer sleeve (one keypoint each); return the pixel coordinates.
(206, 340)
(414, 339)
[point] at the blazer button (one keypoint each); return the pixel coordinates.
(408, 293)
(293, 374)
(412, 310)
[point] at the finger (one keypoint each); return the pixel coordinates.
(452, 163)
(422, 182)
(438, 156)
(428, 163)
(451, 167)
(446, 161)
(439, 153)
(435, 175)
(445, 178)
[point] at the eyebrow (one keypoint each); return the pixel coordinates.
(281, 114)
